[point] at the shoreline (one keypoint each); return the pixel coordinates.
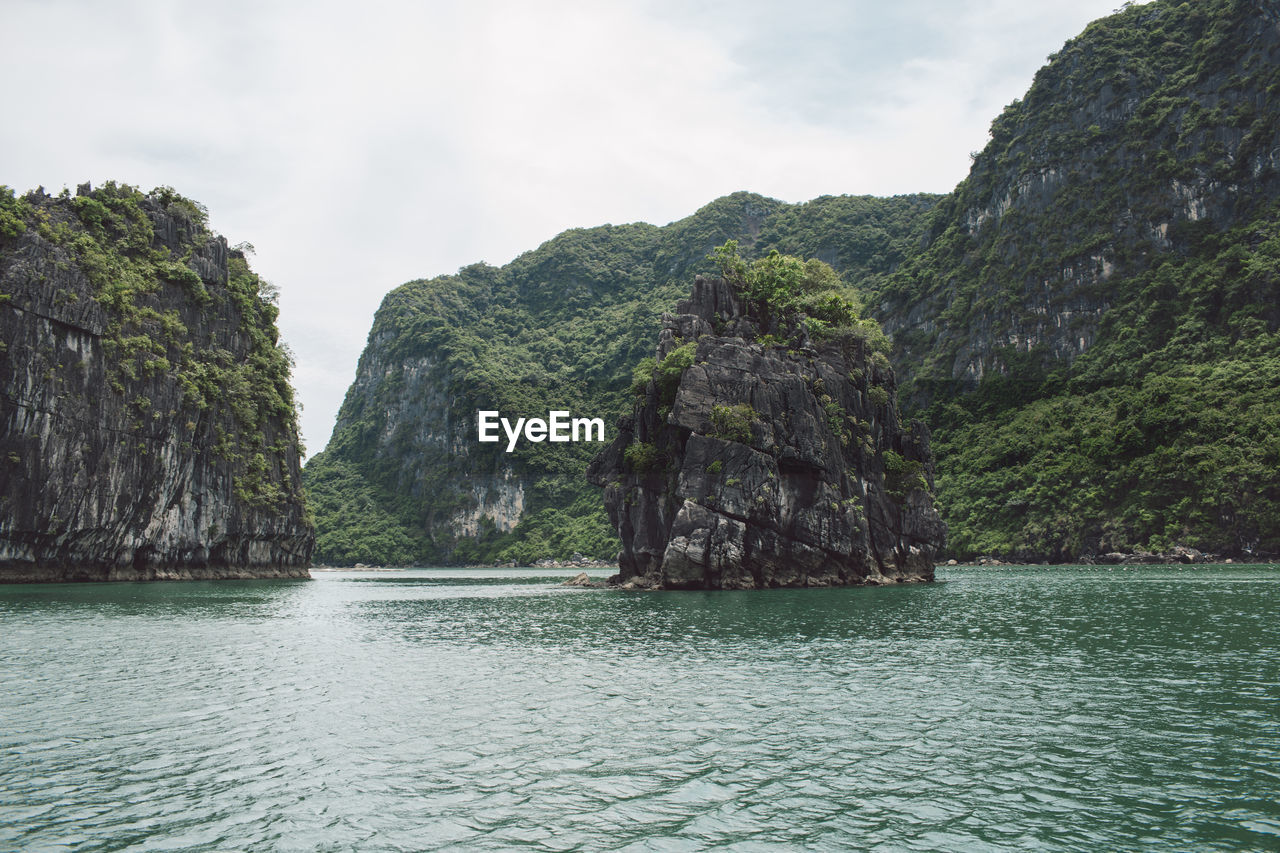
(127, 574)
(990, 564)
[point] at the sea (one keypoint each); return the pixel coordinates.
(1001, 708)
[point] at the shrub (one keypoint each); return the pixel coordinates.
(642, 457)
(13, 213)
(733, 423)
(901, 475)
(810, 291)
(836, 420)
(667, 374)
(642, 374)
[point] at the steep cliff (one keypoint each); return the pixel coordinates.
(765, 451)
(1154, 128)
(1088, 324)
(404, 480)
(147, 424)
(1092, 322)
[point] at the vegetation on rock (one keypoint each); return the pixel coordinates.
(1092, 329)
(1088, 323)
(749, 464)
(150, 371)
(566, 326)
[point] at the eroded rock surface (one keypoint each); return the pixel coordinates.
(147, 428)
(770, 465)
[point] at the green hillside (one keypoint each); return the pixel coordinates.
(1088, 324)
(1092, 329)
(561, 327)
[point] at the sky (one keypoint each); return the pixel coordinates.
(360, 146)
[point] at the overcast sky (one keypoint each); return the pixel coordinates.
(361, 145)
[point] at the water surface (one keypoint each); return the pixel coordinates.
(1001, 709)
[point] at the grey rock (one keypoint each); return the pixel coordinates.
(93, 484)
(804, 499)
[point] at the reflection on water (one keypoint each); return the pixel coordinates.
(1000, 709)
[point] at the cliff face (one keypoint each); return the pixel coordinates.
(404, 480)
(147, 427)
(1088, 324)
(768, 464)
(1092, 322)
(1153, 128)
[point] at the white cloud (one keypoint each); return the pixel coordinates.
(362, 146)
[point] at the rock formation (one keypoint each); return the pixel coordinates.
(1150, 130)
(147, 426)
(404, 481)
(768, 464)
(1088, 323)
(1092, 319)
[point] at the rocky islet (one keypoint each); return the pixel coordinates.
(148, 422)
(768, 464)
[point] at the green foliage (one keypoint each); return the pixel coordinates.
(180, 273)
(728, 263)
(667, 374)
(1081, 199)
(254, 486)
(643, 457)
(902, 475)
(863, 238)
(14, 213)
(581, 526)
(982, 257)
(192, 211)
(360, 529)
(642, 375)
(108, 234)
(92, 212)
(837, 419)
(1166, 432)
(733, 423)
(562, 327)
(791, 290)
(776, 279)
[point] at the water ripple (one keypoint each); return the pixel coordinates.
(1060, 709)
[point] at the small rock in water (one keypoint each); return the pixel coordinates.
(580, 579)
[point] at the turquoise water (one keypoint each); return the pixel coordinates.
(1001, 709)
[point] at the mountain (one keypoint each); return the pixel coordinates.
(147, 423)
(404, 480)
(1091, 328)
(1088, 325)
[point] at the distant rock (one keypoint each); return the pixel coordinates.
(578, 562)
(1178, 554)
(1183, 554)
